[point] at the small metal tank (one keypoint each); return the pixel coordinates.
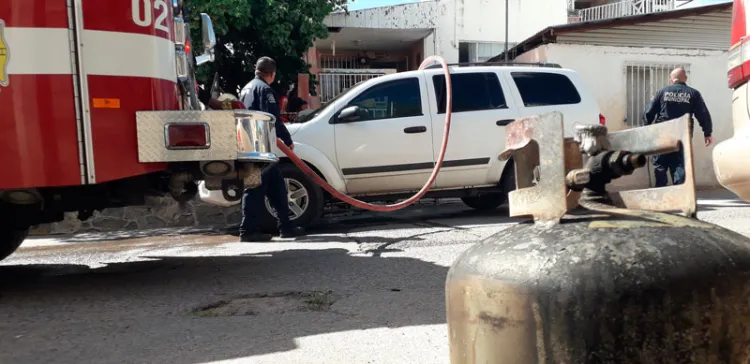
(600, 277)
(256, 137)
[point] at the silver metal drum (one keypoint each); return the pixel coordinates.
(255, 137)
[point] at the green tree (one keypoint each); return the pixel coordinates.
(249, 29)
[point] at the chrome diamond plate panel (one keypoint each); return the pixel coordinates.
(151, 141)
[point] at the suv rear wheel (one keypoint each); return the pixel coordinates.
(10, 240)
(493, 200)
(305, 200)
(485, 202)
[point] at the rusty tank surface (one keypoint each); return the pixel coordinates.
(600, 277)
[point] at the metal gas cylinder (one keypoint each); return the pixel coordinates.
(597, 276)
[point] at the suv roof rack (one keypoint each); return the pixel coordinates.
(535, 64)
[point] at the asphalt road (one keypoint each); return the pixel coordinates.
(360, 289)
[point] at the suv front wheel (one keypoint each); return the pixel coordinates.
(305, 199)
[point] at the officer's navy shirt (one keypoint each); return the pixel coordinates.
(259, 96)
(676, 100)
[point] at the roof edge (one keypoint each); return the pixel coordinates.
(549, 34)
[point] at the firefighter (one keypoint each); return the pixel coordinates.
(670, 103)
(259, 96)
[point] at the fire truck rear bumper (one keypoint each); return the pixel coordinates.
(256, 156)
(211, 135)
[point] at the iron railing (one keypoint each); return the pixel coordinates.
(335, 81)
(623, 8)
(642, 82)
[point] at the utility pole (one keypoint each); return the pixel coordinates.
(506, 31)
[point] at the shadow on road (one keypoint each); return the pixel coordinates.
(109, 236)
(146, 311)
(422, 214)
(441, 214)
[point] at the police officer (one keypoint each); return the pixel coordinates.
(258, 95)
(670, 103)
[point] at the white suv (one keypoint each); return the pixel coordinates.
(379, 140)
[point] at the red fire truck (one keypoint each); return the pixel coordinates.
(99, 108)
(729, 155)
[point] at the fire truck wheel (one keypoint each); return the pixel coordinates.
(305, 200)
(10, 240)
(493, 200)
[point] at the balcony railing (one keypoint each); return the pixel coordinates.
(622, 8)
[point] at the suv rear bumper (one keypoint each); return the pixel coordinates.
(729, 157)
(731, 167)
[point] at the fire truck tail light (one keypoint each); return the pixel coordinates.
(187, 46)
(602, 119)
(187, 136)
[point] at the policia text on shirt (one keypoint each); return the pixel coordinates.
(669, 103)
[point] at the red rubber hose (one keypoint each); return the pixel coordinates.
(397, 206)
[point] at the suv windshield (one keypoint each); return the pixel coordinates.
(310, 116)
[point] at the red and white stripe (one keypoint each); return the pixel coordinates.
(38, 127)
(47, 51)
(39, 37)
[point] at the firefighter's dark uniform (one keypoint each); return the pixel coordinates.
(258, 95)
(670, 103)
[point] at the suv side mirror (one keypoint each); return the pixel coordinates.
(209, 40)
(350, 114)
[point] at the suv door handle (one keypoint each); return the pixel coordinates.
(415, 129)
(504, 122)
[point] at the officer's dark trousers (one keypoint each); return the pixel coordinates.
(253, 203)
(672, 163)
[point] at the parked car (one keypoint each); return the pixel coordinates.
(379, 140)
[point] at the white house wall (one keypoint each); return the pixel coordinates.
(536, 55)
(603, 69)
(457, 21)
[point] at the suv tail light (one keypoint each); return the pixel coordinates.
(602, 119)
(187, 136)
(738, 65)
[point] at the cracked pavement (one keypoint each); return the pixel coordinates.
(361, 288)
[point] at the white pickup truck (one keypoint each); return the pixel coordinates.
(379, 140)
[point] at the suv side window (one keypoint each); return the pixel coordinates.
(390, 100)
(544, 89)
(471, 92)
